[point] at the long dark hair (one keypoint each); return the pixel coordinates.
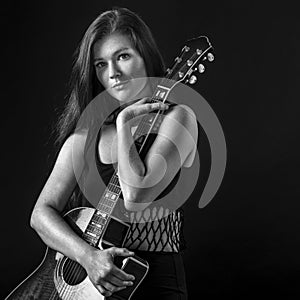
(84, 85)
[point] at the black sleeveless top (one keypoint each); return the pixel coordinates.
(156, 228)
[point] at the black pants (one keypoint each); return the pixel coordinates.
(165, 279)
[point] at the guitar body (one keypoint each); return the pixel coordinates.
(58, 277)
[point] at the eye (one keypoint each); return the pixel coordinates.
(124, 56)
(100, 64)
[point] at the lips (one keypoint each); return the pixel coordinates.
(119, 84)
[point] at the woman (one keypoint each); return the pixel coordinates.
(117, 54)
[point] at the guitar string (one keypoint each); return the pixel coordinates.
(56, 291)
(68, 293)
(62, 291)
(70, 272)
(63, 286)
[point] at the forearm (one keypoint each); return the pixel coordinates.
(57, 234)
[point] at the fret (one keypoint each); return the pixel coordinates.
(90, 239)
(156, 99)
(161, 92)
(104, 208)
(115, 180)
(107, 202)
(114, 184)
(99, 221)
(100, 208)
(143, 129)
(95, 229)
(114, 188)
(91, 234)
(110, 196)
(96, 225)
(100, 214)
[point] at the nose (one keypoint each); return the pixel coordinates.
(114, 71)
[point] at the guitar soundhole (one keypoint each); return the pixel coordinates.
(73, 272)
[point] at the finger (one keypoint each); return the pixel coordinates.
(110, 288)
(122, 275)
(104, 292)
(120, 252)
(154, 106)
(119, 288)
(118, 282)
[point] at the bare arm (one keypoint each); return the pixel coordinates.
(46, 218)
(142, 182)
(57, 234)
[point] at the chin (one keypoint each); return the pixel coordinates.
(124, 97)
(128, 96)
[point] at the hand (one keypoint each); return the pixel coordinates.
(102, 272)
(139, 108)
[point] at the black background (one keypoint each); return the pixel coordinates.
(245, 243)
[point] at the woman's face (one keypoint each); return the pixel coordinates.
(117, 64)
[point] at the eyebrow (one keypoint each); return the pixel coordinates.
(114, 54)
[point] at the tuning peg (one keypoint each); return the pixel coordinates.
(210, 57)
(192, 79)
(201, 68)
(180, 74)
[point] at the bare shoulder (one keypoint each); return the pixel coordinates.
(180, 127)
(184, 115)
(65, 173)
(73, 147)
(70, 160)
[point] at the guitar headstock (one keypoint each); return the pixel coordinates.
(192, 59)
